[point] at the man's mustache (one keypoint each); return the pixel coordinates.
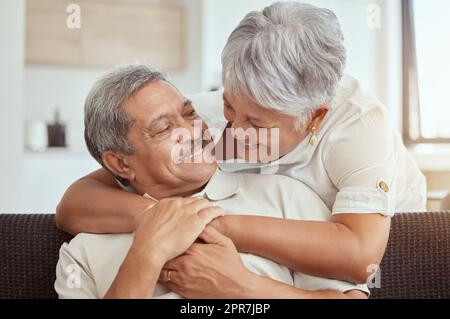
(190, 149)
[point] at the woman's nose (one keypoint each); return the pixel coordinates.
(244, 133)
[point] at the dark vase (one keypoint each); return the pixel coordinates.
(56, 133)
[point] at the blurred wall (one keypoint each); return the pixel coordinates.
(11, 102)
(48, 87)
(209, 23)
(29, 93)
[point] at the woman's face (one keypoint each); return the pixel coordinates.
(262, 135)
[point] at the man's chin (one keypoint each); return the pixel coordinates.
(198, 166)
(196, 172)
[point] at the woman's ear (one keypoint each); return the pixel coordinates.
(118, 164)
(319, 116)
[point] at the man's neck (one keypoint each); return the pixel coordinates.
(164, 191)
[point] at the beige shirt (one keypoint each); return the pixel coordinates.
(359, 164)
(89, 263)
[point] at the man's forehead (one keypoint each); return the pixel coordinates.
(154, 99)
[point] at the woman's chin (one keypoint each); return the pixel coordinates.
(250, 156)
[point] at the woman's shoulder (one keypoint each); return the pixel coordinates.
(355, 111)
(352, 100)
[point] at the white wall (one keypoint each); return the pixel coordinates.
(11, 102)
(374, 57)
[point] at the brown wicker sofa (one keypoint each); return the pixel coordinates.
(416, 263)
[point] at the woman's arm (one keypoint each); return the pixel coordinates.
(215, 270)
(343, 248)
(97, 204)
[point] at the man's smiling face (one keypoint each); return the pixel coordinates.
(159, 113)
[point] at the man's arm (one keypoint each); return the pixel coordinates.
(342, 248)
(97, 204)
(137, 276)
(163, 232)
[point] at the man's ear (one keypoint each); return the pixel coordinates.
(118, 164)
(318, 117)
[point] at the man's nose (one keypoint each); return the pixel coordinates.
(193, 131)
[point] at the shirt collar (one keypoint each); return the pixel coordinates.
(222, 185)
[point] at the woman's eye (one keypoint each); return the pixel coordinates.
(229, 108)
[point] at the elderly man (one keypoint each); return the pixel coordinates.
(131, 115)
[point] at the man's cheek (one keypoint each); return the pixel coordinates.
(173, 152)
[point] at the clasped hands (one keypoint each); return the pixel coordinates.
(197, 260)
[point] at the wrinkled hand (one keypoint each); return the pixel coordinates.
(171, 226)
(210, 270)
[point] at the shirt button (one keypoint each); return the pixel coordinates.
(383, 186)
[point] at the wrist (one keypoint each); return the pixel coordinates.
(148, 253)
(137, 276)
(251, 287)
(145, 205)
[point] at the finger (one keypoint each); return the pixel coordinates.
(169, 276)
(211, 236)
(199, 204)
(189, 200)
(210, 213)
(195, 248)
(175, 264)
(185, 201)
(164, 275)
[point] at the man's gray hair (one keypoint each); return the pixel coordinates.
(106, 124)
(288, 57)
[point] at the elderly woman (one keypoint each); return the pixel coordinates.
(283, 69)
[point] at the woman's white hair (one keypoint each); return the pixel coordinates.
(288, 57)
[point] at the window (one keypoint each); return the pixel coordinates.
(426, 71)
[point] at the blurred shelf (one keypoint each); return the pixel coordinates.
(55, 152)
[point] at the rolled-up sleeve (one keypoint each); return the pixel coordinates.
(360, 161)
